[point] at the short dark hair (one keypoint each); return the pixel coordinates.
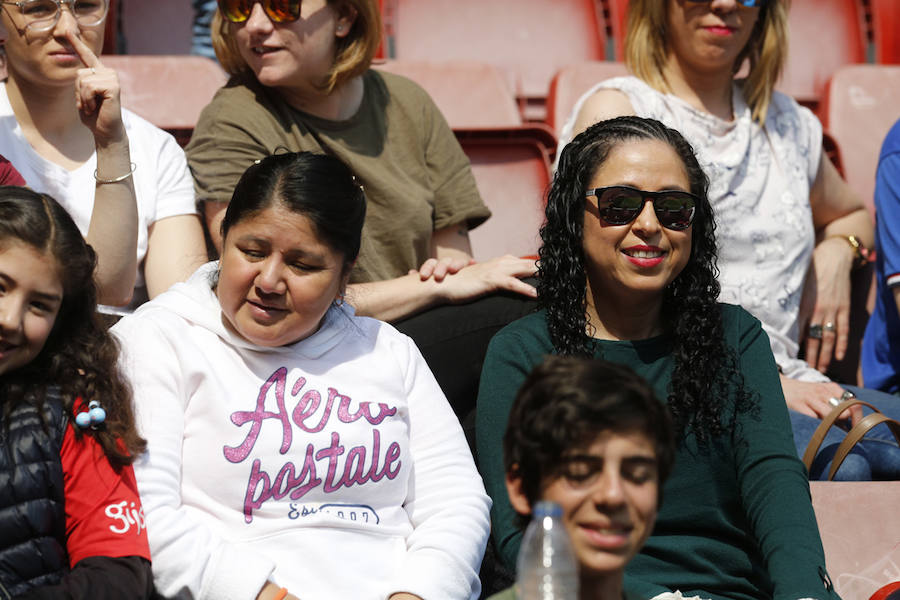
(566, 402)
(320, 187)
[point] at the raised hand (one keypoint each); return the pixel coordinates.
(97, 94)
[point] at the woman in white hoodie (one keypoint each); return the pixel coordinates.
(294, 449)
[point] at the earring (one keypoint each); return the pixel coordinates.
(92, 417)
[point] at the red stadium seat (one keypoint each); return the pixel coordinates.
(618, 11)
(469, 94)
(529, 39)
(860, 533)
(824, 36)
(512, 170)
(111, 29)
(860, 107)
(886, 30)
(148, 81)
(571, 82)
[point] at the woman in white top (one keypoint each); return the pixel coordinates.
(124, 182)
(782, 209)
(294, 449)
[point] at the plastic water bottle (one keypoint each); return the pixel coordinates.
(546, 566)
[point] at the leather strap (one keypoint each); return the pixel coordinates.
(818, 436)
(857, 433)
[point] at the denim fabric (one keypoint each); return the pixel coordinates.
(876, 457)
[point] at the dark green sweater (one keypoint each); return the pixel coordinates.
(736, 521)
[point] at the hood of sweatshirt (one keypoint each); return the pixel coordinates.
(195, 301)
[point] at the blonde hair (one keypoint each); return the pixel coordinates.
(352, 57)
(646, 50)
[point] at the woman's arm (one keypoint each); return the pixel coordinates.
(773, 483)
(101, 578)
(601, 105)
(175, 249)
(113, 228)
(837, 213)
(506, 365)
(446, 502)
(403, 296)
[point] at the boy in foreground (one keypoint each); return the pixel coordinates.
(590, 436)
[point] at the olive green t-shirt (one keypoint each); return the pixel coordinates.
(416, 177)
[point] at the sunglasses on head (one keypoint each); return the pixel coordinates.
(279, 11)
(620, 205)
(747, 3)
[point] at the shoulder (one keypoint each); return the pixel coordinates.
(528, 334)
(740, 328)
(394, 84)
(239, 100)
(153, 324)
(398, 93)
(144, 132)
(784, 109)
(891, 143)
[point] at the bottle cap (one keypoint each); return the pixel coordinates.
(545, 508)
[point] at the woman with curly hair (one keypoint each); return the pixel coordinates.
(790, 229)
(71, 522)
(627, 274)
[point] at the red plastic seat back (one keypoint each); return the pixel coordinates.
(886, 30)
(618, 12)
(469, 94)
(860, 533)
(571, 83)
(860, 107)
(513, 173)
(824, 36)
(530, 40)
(168, 91)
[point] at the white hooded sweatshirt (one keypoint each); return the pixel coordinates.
(333, 467)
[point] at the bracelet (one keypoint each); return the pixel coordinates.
(116, 179)
(281, 594)
(861, 255)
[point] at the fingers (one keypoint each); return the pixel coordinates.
(517, 267)
(826, 346)
(843, 333)
(812, 350)
(427, 268)
(83, 51)
(518, 286)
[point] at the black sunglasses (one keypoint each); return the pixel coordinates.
(620, 205)
(280, 11)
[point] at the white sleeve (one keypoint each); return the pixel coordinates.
(163, 182)
(446, 501)
(189, 560)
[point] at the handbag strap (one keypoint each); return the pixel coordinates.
(818, 436)
(857, 433)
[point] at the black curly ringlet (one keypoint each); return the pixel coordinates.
(79, 357)
(705, 368)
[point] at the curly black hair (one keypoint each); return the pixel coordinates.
(705, 368)
(79, 356)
